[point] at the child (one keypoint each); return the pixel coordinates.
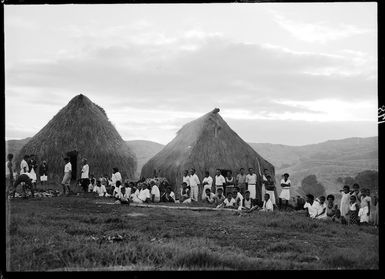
(267, 204)
(285, 193)
(185, 193)
(356, 192)
(238, 197)
(345, 199)
(310, 206)
(128, 187)
(207, 183)
(134, 197)
(321, 208)
(331, 208)
(155, 194)
(270, 188)
(168, 196)
(353, 211)
(364, 212)
(338, 218)
(92, 185)
(219, 197)
(209, 197)
(123, 197)
(229, 202)
(100, 189)
(247, 202)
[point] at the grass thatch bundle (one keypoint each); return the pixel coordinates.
(81, 126)
(206, 143)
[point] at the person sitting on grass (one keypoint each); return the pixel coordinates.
(134, 193)
(185, 193)
(285, 193)
(338, 218)
(229, 202)
(92, 185)
(168, 196)
(331, 208)
(209, 196)
(267, 204)
(123, 197)
(128, 186)
(155, 194)
(309, 206)
(353, 211)
(219, 197)
(364, 212)
(118, 187)
(238, 197)
(100, 189)
(26, 180)
(321, 209)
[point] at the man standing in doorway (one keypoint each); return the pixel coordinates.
(84, 177)
(194, 184)
(67, 176)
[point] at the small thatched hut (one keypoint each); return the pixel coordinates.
(206, 143)
(81, 129)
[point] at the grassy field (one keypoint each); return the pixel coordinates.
(80, 233)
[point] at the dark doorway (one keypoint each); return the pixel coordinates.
(73, 156)
(224, 172)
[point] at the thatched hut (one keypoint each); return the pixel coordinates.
(206, 143)
(81, 129)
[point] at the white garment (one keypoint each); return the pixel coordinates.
(285, 194)
(247, 204)
(210, 198)
(264, 179)
(272, 196)
(100, 190)
(187, 180)
(23, 165)
(345, 200)
(68, 167)
(85, 171)
(172, 194)
(7, 172)
(43, 178)
(194, 180)
(219, 180)
(155, 191)
(33, 175)
(267, 205)
(116, 191)
(311, 209)
(252, 189)
(116, 177)
(320, 208)
(240, 197)
(228, 203)
(144, 194)
(287, 183)
(251, 179)
(209, 184)
(194, 192)
(124, 197)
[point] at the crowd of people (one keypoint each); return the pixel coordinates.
(243, 192)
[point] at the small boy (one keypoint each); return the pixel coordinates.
(123, 197)
(219, 197)
(100, 189)
(267, 204)
(229, 202)
(209, 197)
(155, 194)
(310, 206)
(168, 196)
(185, 193)
(321, 209)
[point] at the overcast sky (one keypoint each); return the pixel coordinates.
(281, 73)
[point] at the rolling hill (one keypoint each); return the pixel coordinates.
(327, 160)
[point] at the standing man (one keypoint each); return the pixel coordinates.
(67, 176)
(207, 183)
(9, 172)
(194, 184)
(241, 181)
(43, 172)
(251, 181)
(84, 177)
(24, 168)
(219, 181)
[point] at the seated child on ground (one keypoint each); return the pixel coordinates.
(123, 197)
(247, 202)
(321, 208)
(229, 202)
(338, 218)
(267, 204)
(310, 207)
(117, 189)
(185, 193)
(92, 185)
(168, 196)
(219, 197)
(134, 193)
(100, 189)
(209, 197)
(155, 193)
(238, 197)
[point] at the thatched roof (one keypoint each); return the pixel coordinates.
(206, 143)
(82, 126)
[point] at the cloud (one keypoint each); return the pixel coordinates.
(318, 32)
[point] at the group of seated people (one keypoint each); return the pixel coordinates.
(356, 207)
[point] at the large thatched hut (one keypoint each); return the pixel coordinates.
(81, 129)
(206, 143)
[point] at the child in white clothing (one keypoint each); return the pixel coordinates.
(267, 204)
(229, 202)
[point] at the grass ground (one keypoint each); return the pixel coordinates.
(80, 233)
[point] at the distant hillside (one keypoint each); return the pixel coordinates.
(144, 151)
(327, 160)
(14, 146)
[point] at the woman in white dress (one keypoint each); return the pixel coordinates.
(285, 193)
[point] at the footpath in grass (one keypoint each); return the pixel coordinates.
(80, 233)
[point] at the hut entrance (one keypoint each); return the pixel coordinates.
(224, 172)
(73, 156)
